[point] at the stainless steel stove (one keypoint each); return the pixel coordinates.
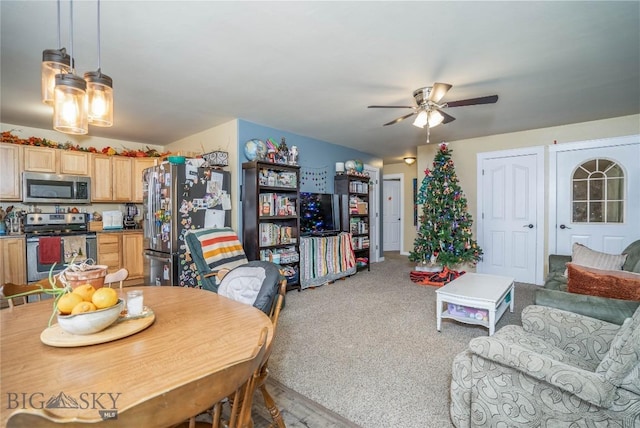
(54, 239)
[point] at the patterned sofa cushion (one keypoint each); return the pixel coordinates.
(620, 365)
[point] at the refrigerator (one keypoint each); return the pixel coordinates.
(179, 198)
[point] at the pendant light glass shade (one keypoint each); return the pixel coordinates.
(70, 105)
(54, 61)
(100, 98)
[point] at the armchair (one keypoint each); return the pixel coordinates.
(558, 369)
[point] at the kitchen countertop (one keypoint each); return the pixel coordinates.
(21, 235)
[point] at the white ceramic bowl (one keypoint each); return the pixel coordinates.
(90, 322)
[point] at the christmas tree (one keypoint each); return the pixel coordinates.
(444, 236)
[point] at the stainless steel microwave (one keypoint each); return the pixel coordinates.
(42, 188)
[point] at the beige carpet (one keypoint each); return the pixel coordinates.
(367, 348)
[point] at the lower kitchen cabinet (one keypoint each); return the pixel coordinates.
(119, 250)
(13, 261)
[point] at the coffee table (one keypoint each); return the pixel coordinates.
(479, 299)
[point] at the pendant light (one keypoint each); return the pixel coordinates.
(70, 98)
(54, 61)
(99, 92)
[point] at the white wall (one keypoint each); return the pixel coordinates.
(465, 151)
(222, 137)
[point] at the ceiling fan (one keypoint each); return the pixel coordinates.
(429, 109)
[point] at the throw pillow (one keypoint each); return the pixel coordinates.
(603, 283)
(585, 256)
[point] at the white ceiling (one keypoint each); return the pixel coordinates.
(312, 68)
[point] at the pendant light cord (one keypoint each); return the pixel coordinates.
(59, 38)
(73, 65)
(99, 55)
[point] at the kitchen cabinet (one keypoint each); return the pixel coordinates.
(10, 172)
(109, 250)
(13, 261)
(133, 254)
(118, 178)
(56, 161)
(119, 250)
(270, 216)
(139, 165)
(354, 214)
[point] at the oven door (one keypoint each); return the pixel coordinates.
(49, 253)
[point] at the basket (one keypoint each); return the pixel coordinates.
(94, 276)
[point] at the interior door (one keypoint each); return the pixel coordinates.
(391, 215)
(597, 195)
(510, 222)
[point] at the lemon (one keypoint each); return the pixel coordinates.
(67, 302)
(85, 291)
(105, 298)
(83, 307)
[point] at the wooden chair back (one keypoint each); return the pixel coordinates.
(117, 276)
(10, 289)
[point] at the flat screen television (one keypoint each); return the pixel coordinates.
(319, 214)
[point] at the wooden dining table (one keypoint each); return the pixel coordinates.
(163, 369)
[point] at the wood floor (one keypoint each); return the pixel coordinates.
(297, 410)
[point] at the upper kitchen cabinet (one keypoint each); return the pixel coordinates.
(10, 172)
(118, 178)
(44, 159)
(139, 165)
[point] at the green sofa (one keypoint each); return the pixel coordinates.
(555, 294)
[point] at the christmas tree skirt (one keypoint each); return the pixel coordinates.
(434, 278)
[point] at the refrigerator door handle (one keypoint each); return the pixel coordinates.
(151, 255)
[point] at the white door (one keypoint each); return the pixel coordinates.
(391, 215)
(511, 226)
(597, 195)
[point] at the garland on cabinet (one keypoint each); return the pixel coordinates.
(9, 137)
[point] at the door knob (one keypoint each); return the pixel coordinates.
(530, 226)
(562, 226)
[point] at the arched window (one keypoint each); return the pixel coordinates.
(598, 192)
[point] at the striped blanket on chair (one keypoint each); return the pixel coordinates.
(221, 248)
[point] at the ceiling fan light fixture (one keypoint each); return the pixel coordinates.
(409, 160)
(99, 98)
(421, 119)
(435, 118)
(70, 105)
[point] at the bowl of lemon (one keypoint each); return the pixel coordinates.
(86, 310)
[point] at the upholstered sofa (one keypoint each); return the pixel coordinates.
(555, 292)
(560, 369)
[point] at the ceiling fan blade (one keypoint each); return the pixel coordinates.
(438, 91)
(400, 119)
(474, 101)
(447, 117)
(390, 107)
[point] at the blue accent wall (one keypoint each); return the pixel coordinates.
(317, 159)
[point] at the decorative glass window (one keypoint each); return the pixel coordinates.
(598, 192)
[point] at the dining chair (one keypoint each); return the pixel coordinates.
(10, 289)
(232, 380)
(258, 283)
